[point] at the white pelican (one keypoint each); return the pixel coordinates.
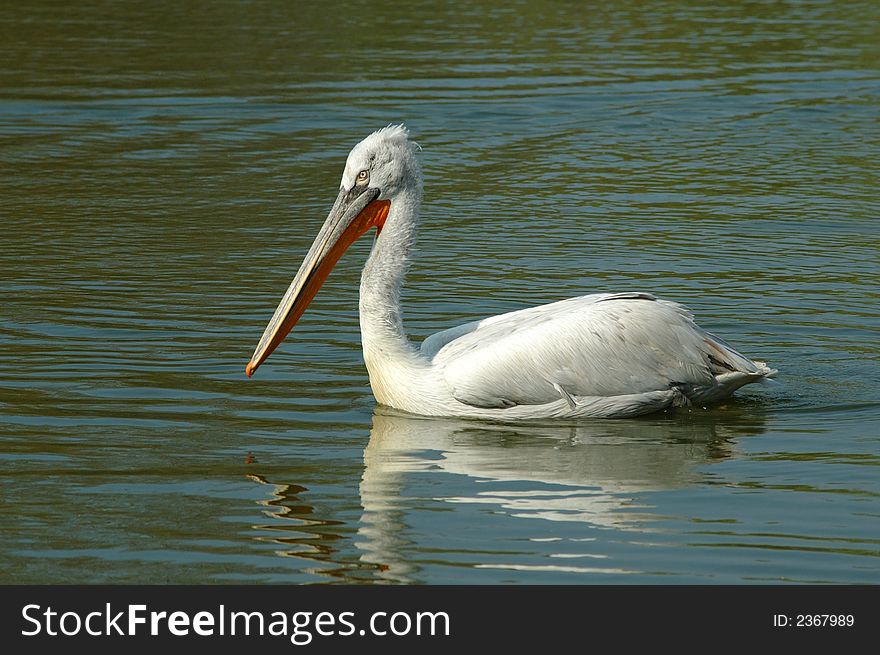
(607, 354)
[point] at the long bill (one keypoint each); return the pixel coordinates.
(355, 211)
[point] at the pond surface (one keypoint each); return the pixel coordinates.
(166, 166)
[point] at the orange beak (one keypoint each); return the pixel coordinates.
(355, 211)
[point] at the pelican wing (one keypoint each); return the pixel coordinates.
(595, 345)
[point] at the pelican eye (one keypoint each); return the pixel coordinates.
(363, 176)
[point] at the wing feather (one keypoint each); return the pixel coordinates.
(596, 345)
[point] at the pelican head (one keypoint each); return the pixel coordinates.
(378, 169)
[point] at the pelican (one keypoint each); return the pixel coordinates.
(599, 355)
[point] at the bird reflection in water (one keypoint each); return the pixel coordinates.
(591, 473)
(597, 475)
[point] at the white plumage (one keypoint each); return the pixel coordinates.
(608, 355)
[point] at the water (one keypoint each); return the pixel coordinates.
(165, 167)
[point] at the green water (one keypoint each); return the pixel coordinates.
(163, 169)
